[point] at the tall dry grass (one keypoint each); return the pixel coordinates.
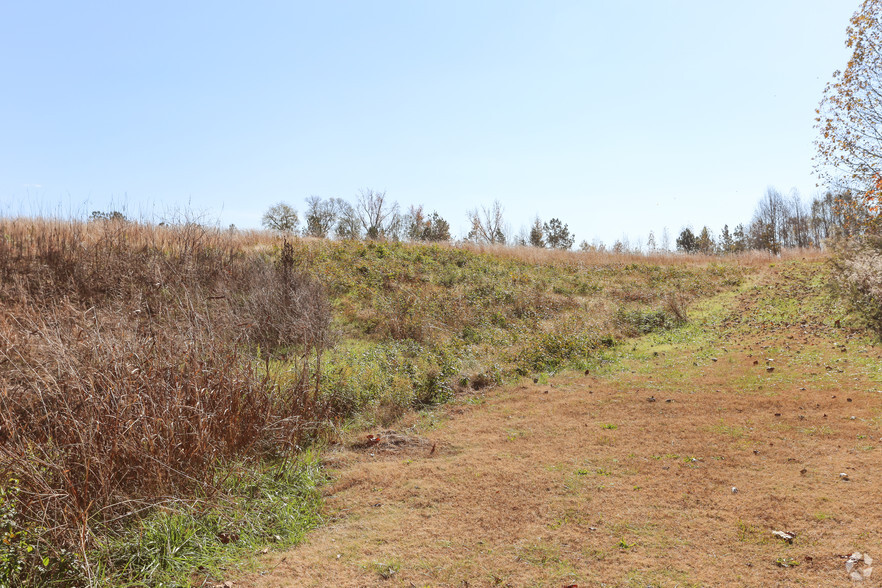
(540, 256)
(134, 362)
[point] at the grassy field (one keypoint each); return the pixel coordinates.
(672, 463)
(169, 392)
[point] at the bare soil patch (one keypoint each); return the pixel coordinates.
(672, 465)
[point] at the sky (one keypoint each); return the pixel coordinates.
(618, 118)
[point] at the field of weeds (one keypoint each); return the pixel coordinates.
(161, 386)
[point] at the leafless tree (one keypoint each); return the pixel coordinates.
(348, 222)
(321, 216)
(487, 224)
(767, 228)
(798, 222)
(665, 240)
(378, 216)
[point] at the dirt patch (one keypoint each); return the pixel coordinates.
(393, 443)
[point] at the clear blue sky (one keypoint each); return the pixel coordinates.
(617, 117)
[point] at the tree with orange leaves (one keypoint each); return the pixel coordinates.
(849, 117)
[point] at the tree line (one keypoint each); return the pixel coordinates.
(779, 222)
(374, 216)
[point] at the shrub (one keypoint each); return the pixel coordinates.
(551, 351)
(642, 322)
(857, 266)
(22, 562)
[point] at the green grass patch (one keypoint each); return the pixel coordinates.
(262, 506)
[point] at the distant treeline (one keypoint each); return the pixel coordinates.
(781, 222)
(778, 222)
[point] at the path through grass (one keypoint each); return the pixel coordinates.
(670, 464)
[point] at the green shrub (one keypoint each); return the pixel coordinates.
(642, 322)
(26, 559)
(552, 351)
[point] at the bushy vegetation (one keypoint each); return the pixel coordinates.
(857, 267)
(163, 382)
(130, 369)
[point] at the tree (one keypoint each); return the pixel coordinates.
(280, 217)
(321, 216)
(557, 234)
(378, 216)
(769, 220)
(436, 229)
(727, 244)
(798, 224)
(419, 227)
(665, 240)
(739, 239)
(537, 238)
(823, 215)
(112, 216)
(487, 224)
(849, 117)
(686, 241)
(705, 242)
(596, 245)
(651, 245)
(348, 223)
(414, 222)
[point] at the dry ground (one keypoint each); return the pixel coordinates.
(626, 476)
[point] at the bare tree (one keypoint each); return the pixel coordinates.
(767, 228)
(487, 224)
(798, 222)
(378, 216)
(321, 216)
(348, 222)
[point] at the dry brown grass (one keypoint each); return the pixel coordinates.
(127, 366)
(537, 256)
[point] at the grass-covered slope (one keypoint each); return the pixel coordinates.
(169, 377)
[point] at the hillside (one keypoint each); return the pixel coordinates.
(165, 389)
(671, 464)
